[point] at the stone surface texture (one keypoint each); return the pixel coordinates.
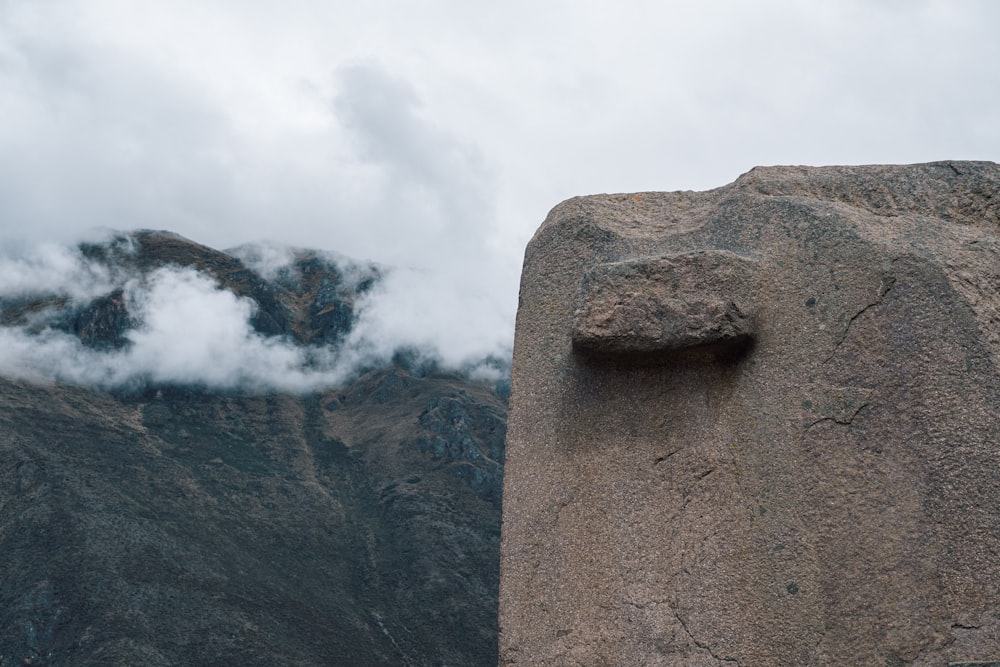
(759, 425)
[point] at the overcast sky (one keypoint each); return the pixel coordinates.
(436, 134)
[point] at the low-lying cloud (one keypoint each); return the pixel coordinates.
(188, 329)
(51, 268)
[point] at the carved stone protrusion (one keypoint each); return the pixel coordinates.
(666, 305)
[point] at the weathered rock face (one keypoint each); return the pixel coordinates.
(759, 425)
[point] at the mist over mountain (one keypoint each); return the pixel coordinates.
(238, 457)
(141, 307)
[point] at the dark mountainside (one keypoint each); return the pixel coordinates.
(176, 525)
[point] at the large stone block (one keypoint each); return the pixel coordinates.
(760, 425)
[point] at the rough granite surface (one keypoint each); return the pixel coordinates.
(759, 425)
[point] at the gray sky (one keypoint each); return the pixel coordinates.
(436, 134)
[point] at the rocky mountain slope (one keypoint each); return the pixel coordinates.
(174, 524)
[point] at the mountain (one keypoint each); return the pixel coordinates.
(185, 523)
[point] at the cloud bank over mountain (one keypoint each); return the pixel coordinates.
(184, 327)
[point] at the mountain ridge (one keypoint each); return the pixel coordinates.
(177, 523)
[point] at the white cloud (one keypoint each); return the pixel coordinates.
(190, 330)
(266, 258)
(51, 268)
(457, 325)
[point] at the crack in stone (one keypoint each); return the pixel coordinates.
(660, 459)
(703, 645)
(643, 605)
(838, 420)
(962, 626)
(886, 285)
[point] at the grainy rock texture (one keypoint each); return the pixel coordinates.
(759, 425)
